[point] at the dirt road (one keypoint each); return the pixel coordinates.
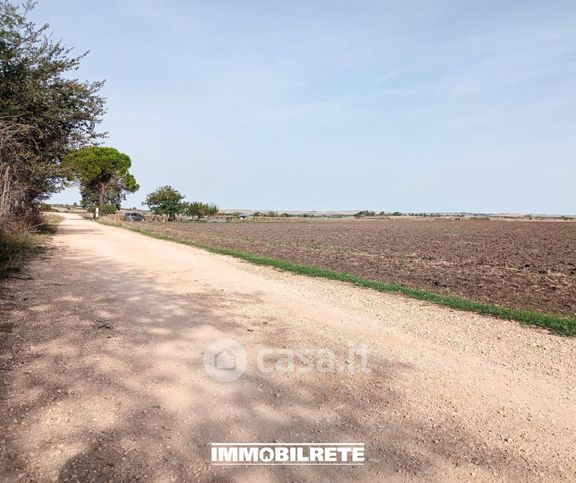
(103, 376)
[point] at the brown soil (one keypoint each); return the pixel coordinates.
(516, 264)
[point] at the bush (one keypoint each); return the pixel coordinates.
(363, 213)
(108, 210)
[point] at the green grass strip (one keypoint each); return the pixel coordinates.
(557, 323)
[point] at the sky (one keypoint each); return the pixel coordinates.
(431, 105)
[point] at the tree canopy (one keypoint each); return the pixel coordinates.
(44, 112)
(103, 176)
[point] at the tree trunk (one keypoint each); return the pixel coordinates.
(101, 196)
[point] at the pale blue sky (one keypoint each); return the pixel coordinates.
(432, 105)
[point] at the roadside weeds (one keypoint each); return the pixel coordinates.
(16, 247)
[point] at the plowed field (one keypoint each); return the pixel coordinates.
(511, 263)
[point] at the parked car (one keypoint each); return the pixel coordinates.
(133, 217)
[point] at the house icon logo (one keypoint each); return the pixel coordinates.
(225, 360)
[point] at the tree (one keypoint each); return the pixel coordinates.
(165, 201)
(103, 176)
(15, 159)
(195, 208)
(211, 209)
(44, 110)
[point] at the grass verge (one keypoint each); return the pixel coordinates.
(556, 323)
(16, 247)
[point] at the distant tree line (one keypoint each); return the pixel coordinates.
(368, 213)
(365, 213)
